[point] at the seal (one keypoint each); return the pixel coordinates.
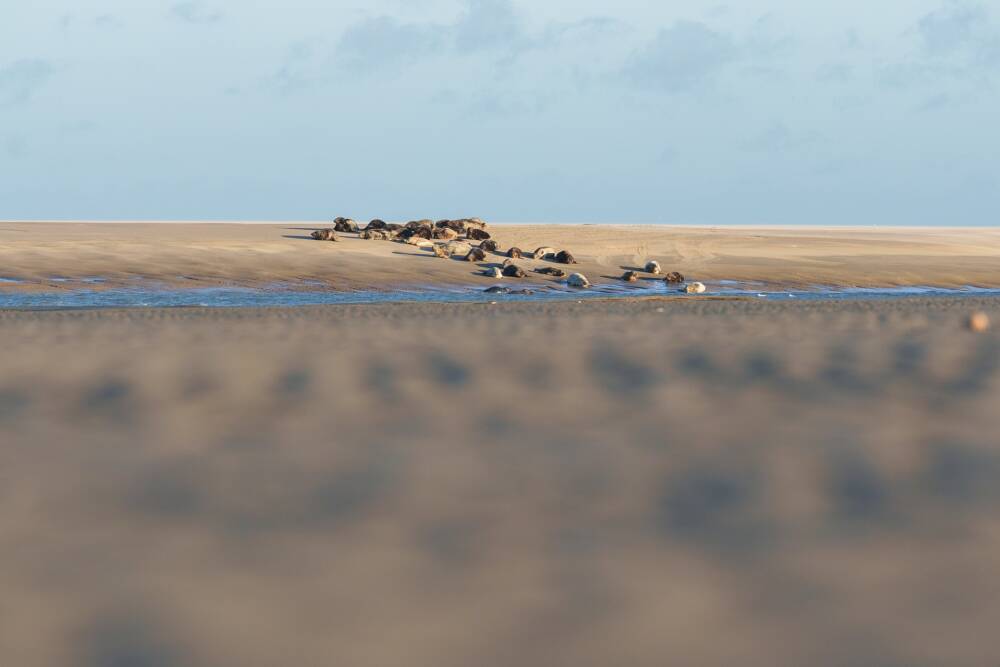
(324, 235)
(376, 224)
(695, 288)
(674, 277)
(477, 234)
(445, 233)
(439, 251)
(476, 255)
(653, 267)
(543, 252)
(577, 280)
(515, 253)
(493, 272)
(551, 271)
(630, 276)
(565, 257)
(489, 245)
(514, 271)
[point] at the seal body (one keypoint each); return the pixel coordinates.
(630, 276)
(477, 234)
(513, 271)
(439, 251)
(653, 267)
(324, 235)
(543, 252)
(695, 288)
(445, 233)
(577, 280)
(674, 277)
(489, 245)
(551, 271)
(515, 253)
(565, 257)
(475, 255)
(493, 272)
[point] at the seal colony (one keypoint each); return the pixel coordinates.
(469, 240)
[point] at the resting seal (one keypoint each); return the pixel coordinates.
(551, 271)
(543, 252)
(565, 257)
(477, 234)
(515, 253)
(439, 251)
(475, 255)
(630, 276)
(674, 277)
(578, 280)
(695, 288)
(493, 272)
(324, 235)
(489, 245)
(514, 271)
(445, 233)
(653, 267)
(376, 224)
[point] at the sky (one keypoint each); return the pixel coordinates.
(749, 112)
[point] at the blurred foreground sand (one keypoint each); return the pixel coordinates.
(652, 482)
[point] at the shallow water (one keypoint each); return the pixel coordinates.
(290, 295)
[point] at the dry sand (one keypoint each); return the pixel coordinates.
(261, 254)
(608, 483)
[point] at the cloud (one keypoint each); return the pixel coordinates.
(488, 24)
(20, 80)
(195, 12)
(382, 41)
(835, 73)
(681, 58)
(952, 28)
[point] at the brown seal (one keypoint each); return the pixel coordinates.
(551, 271)
(514, 271)
(565, 257)
(476, 255)
(489, 245)
(653, 267)
(376, 224)
(477, 234)
(630, 276)
(543, 252)
(445, 233)
(440, 251)
(673, 277)
(515, 253)
(324, 235)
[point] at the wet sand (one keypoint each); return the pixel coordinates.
(635, 482)
(193, 255)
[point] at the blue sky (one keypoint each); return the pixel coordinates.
(678, 112)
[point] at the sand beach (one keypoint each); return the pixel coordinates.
(624, 481)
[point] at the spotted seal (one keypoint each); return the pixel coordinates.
(653, 267)
(514, 271)
(324, 235)
(577, 280)
(674, 277)
(630, 276)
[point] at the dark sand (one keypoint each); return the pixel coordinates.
(694, 482)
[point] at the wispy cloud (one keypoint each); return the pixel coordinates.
(20, 80)
(195, 12)
(681, 58)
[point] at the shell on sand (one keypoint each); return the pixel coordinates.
(695, 288)
(577, 280)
